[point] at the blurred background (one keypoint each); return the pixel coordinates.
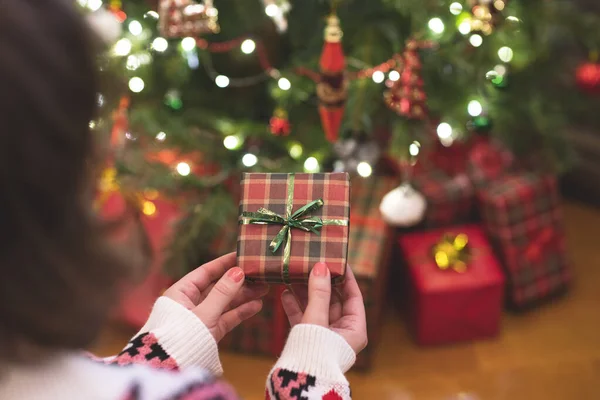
(470, 130)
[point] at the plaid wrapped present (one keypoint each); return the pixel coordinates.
(289, 222)
(489, 160)
(184, 18)
(522, 215)
(450, 200)
(370, 246)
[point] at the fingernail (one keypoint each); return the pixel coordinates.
(320, 269)
(236, 274)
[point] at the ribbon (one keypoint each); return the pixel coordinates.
(452, 252)
(299, 220)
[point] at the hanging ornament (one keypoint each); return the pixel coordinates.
(183, 18)
(406, 96)
(279, 124)
(173, 99)
(587, 76)
(277, 10)
(332, 88)
(403, 206)
(485, 14)
(358, 148)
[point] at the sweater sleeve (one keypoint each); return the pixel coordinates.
(312, 366)
(172, 338)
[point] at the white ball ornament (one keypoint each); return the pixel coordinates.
(105, 25)
(403, 206)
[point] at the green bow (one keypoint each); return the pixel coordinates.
(298, 219)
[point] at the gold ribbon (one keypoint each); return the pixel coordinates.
(299, 220)
(452, 252)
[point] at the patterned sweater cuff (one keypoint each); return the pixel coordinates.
(317, 351)
(183, 336)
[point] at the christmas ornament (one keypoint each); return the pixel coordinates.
(406, 96)
(105, 25)
(332, 88)
(279, 124)
(277, 10)
(588, 77)
(183, 18)
(403, 206)
(358, 148)
(485, 14)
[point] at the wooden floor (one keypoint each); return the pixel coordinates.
(549, 354)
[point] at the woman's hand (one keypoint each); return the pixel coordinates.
(216, 293)
(343, 313)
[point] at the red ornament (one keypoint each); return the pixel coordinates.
(588, 77)
(333, 85)
(279, 124)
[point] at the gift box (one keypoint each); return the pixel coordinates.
(450, 199)
(522, 215)
(290, 222)
(370, 245)
(456, 285)
(487, 161)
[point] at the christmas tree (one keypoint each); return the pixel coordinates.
(198, 92)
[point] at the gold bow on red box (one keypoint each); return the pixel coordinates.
(452, 252)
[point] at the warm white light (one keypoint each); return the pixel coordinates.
(394, 75)
(144, 58)
(447, 142)
(161, 136)
(249, 160)
(136, 84)
(82, 3)
(248, 46)
(512, 19)
(414, 148)
(364, 169)
(465, 27)
(152, 14)
(183, 169)
(212, 12)
(222, 81)
(436, 25)
(296, 151)
(133, 63)
(499, 5)
(506, 54)
(474, 108)
(284, 84)
(92, 124)
(456, 8)
(231, 142)
(188, 43)
(378, 76)
(500, 69)
(476, 40)
(94, 5)
(271, 10)
(100, 99)
(160, 44)
(129, 136)
(311, 165)
(135, 28)
(122, 47)
(444, 130)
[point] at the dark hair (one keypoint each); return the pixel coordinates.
(59, 276)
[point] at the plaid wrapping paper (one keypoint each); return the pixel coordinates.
(450, 200)
(488, 160)
(522, 215)
(270, 191)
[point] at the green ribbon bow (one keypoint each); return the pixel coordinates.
(298, 220)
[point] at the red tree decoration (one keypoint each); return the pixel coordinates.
(279, 124)
(588, 77)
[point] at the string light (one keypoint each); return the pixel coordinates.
(248, 46)
(183, 169)
(94, 5)
(249, 160)
(161, 136)
(92, 124)
(129, 136)
(474, 108)
(444, 130)
(160, 44)
(272, 10)
(82, 3)
(135, 28)
(133, 63)
(414, 148)
(148, 208)
(500, 69)
(284, 84)
(394, 75)
(506, 54)
(296, 150)
(476, 40)
(512, 19)
(122, 47)
(436, 25)
(100, 100)
(136, 84)
(499, 5)
(188, 43)
(151, 14)
(456, 8)
(364, 169)
(465, 27)
(311, 165)
(378, 76)
(222, 81)
(231, 142)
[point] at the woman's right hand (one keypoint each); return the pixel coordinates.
(343, 312)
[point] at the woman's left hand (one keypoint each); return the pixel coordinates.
(216, 293)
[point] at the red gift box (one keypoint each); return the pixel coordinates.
(447, 306)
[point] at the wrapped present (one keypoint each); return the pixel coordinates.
(522, 215)
(450, 200)
(289, 222)
(487, 161)
(370, 245)
(456, 285)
